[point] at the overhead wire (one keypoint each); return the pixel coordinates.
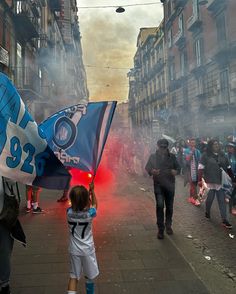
(115, 6)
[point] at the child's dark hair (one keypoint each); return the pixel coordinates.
(79, 197)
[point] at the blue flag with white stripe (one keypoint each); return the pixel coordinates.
(24, 153)
(78, 134)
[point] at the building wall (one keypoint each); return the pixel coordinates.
(45, 59)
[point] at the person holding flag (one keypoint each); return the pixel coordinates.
(81, 245)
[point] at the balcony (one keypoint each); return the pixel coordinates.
(28, 83)
(55, 5)
(180, 3)
(175, 84)
(159, 94)
(216, 5)
(179, 39)
(26, 24)
(194, 23)
(199, 70)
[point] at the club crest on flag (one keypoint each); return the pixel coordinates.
(78, 134)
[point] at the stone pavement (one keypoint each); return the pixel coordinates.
(131, 259)
(199, 238)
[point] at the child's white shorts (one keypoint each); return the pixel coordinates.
(83, 264)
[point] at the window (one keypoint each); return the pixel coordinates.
(224, 85)
(174, 101)
(18, 7)
(221, 29)
(200, 86)
(183, 63)
(19, 63)
(181, 23)
(169, 8)
(210, 85)
(172, 71)
(198, 52)
(169, 37)
(195, 9)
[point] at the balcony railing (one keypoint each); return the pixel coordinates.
(27, 79)
(180, 3)
(55, 5)
(194, 23)
(215, 5)
(26, 20)
(179, 38)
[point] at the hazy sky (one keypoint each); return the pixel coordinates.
(109, 43)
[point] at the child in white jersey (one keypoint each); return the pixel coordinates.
(81, 245)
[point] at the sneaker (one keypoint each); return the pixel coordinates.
(197, 202)
(226, 224)
(160, 235)
(37, 210)
(207, 215)
(27, 210)
(169, 231)
(5, 290)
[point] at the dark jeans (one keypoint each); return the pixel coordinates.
(220, 194)
(232, 202)
(6, 246)
(164, 197)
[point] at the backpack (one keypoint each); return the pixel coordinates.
(11, 203)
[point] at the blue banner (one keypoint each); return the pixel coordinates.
(24, 153)
(78, 134)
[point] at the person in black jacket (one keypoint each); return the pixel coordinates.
(163, 167)
(7, 236)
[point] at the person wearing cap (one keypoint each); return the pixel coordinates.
(163, 167)
(231, 155)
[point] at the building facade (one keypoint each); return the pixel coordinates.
(40, 50)
(200, 42)
(147, 83)
(199, 71)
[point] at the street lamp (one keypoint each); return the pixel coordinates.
(120, 9)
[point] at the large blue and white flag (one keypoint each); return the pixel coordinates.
(78, 134)
(24, 153)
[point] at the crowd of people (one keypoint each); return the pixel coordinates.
(208, 166)
(203, 165)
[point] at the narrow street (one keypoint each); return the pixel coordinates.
(131, 259)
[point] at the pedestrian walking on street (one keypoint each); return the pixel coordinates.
(192, 156)
(231, 155)
(81, 245)
(163, 167)
(32, 199)
(210, 168)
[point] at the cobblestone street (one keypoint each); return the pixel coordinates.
(131, 259)
(196, 234)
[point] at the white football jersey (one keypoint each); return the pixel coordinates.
(80, 228)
